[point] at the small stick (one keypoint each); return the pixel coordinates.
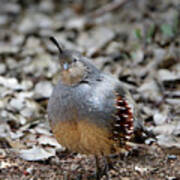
(107, 8)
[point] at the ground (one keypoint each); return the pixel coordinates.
(154, 164)
(137, 41)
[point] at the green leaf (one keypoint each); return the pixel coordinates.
(176, 23)
(167, 30)
(150, 33)
(138, 34)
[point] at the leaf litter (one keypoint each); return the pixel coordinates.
(138, 43)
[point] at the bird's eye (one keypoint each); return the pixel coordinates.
(74, 60)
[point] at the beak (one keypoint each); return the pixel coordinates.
(65, 66)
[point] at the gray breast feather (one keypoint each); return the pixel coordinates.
(95, 104)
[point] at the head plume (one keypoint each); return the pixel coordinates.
(56, 44)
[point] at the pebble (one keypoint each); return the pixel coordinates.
(2, 68)
(43, 89)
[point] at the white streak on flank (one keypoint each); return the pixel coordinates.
(131, 128)
(125, 115)
(129, 131)
(117, 125)
(115, 132)
(121, 108)
(127, 137)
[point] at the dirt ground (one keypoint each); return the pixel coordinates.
(154, 164)
(136, 41)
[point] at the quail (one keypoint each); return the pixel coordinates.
(90, 112)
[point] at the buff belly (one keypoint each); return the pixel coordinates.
(86, 138)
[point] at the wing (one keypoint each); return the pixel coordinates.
(131, 126)
(123, 125)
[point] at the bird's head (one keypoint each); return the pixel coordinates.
(73, 67)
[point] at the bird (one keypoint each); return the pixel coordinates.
(91, 112)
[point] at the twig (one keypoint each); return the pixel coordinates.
(107, 8)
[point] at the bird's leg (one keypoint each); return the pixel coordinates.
(108, 163)
(108, 166)
(98, 169)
